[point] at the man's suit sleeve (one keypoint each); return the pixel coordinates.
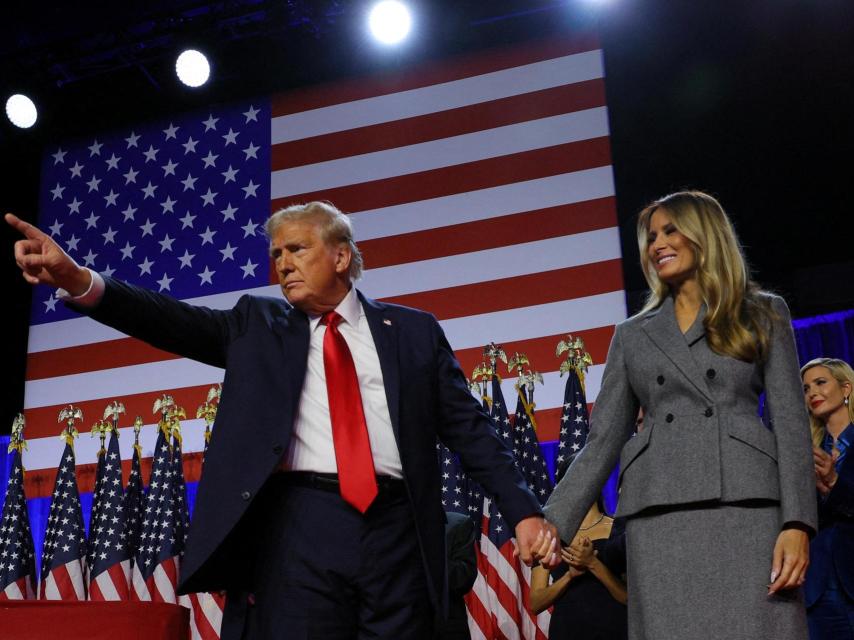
(611, 425)
(465, 428)
(199, 333)
(785, 403)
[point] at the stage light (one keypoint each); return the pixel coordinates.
(389, 21)
(193, 68)
(21, 111)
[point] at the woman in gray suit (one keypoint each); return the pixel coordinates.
(719, 508)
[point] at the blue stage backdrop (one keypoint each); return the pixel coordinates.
(829, 335)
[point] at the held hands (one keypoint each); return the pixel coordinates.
(42, 261)
(791, 558)
(536, 541)
(825, 470)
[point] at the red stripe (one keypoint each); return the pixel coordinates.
(470, 176)
(95, 594)
(536, 288)
(541, 351)
(453, 302)
(92, 357)
(485, 61)
(502, 231)
(443, 124)
(41, 421)
(479, 613)
(38, 483)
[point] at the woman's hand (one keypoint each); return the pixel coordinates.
(580, 554)
(825, 470)
(790, 560)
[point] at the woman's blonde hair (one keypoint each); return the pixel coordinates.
(842, 373)
(738, 317)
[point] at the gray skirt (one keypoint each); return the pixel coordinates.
(703, 573)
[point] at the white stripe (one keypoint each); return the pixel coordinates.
(13, 591)
(139, 586)
(164, 585)
(48, 589)
(445, 152)
(484, 204)
(43, 453)
(75, 572)
(105, 383)
(106, 586)
(439, 97)
(524, 323)
(493, 264)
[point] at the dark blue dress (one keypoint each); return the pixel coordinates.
(586, 611)
(829, 587)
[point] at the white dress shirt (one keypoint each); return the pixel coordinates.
(311, 447)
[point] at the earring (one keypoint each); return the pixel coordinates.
(846, 402)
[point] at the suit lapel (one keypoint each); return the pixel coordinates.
(663, 330)
(292, 328)
(385, 334)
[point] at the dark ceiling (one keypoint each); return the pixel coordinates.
(750, 100)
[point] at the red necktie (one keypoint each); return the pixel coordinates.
(356, 475)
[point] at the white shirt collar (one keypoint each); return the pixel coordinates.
(350, 309)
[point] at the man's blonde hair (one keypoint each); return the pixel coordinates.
(335, 227)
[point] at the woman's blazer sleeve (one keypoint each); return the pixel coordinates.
(611, 425)
(785, 404)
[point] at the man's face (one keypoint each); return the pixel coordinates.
(313, 275)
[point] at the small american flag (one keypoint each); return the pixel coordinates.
(574, 420)
(64, 549)
(109, 564)
(133, 500)
(529, 455)
(155, 572)
(17, 558)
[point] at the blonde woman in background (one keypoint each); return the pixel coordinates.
(718, 508)
(829, 589)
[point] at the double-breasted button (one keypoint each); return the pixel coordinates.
(668, 417)
(277, 449)
(711, 373)
(246, 495)
(660, 379)
(709, 412)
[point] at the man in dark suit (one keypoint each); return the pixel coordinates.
(319, 510)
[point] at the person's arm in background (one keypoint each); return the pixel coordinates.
(542, 594)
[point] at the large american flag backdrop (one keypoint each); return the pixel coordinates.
(481, 189)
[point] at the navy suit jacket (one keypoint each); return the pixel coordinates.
(263, 345)
(833, 547)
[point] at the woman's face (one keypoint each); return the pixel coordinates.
(823, 393)
(670, 253)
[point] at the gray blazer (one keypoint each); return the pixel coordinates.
(702, 438)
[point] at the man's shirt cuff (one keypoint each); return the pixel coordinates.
(91, 297)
